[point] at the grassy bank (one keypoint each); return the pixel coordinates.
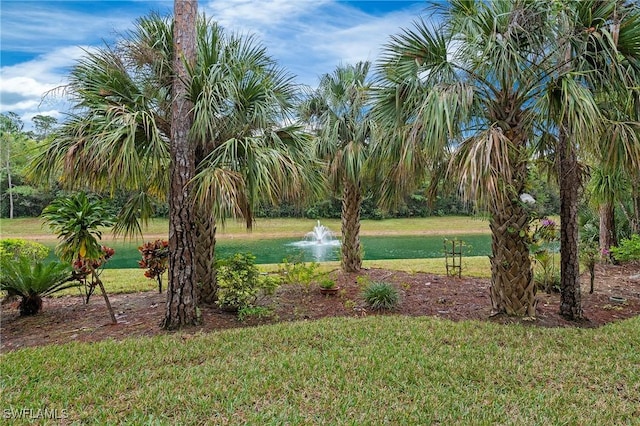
(374, 370)
(133, 280)
(32, 228)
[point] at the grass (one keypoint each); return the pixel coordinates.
(33, 228)
(367, 371)
(133, 280)
(342, 371)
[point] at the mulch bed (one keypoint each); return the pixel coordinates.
(67, 319)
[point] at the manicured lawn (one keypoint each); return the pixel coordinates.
(367, 371)
(133, 280)
(30, 227)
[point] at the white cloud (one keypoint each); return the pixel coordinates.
(251, 15)
(37, 27)
(311, 38)
(27, 87)
(307, 37)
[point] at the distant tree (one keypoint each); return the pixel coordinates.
(44, 125)
(11, 129)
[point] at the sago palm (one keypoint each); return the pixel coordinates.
(31, 280)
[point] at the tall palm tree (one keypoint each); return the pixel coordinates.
(463, 93)
(338, 108)
(598, 54)
(246, 147)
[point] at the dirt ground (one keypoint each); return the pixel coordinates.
(67, 319)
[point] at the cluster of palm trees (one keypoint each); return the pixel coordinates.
(477, 97)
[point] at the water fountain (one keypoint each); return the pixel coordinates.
(320, 242)
(321, 235)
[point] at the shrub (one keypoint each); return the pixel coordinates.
(258, 312)
(240, 282)
(381, 295)
(31, 280)
(87, 270)
(15, 248)
(298, 272)
(155, 258)
(327, 283)
(628, 249)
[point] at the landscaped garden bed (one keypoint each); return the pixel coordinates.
(67, 319)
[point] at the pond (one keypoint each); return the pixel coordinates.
(275, 250)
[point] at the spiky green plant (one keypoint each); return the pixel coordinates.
(78, 220)
(381, 295)
(32, 280)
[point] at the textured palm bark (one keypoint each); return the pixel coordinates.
(182, 300)
(607, 227)
(205, 256)
(634, 223)
(570, 296)
(512, 285)
(351, 254)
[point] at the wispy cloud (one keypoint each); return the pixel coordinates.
(29, 88)
(307, 37)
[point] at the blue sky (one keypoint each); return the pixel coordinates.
(40, 40)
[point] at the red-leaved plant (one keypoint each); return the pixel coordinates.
(155, 258)
(83, 268)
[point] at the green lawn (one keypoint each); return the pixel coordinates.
(33, 227)
(367, 371)
(341, 371)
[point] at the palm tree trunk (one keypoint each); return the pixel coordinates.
(351, 254)
(569, 179)
(10, 185)
(607, 227)
(205, 256)
(182, 297)
(635, 199)
(512, 286)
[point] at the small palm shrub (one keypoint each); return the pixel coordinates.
(32, 280)
(381, 296)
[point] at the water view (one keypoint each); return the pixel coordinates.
(275, 250)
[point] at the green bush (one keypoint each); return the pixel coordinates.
(381, 295)
(628, 249)
(16, 248)
(298, 272)
(240, 283)
(31, 280)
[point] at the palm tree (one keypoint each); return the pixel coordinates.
(598, 55)
(246, 149)
(338, 108)
(463, 93)
(607, 186)
(486, 87)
